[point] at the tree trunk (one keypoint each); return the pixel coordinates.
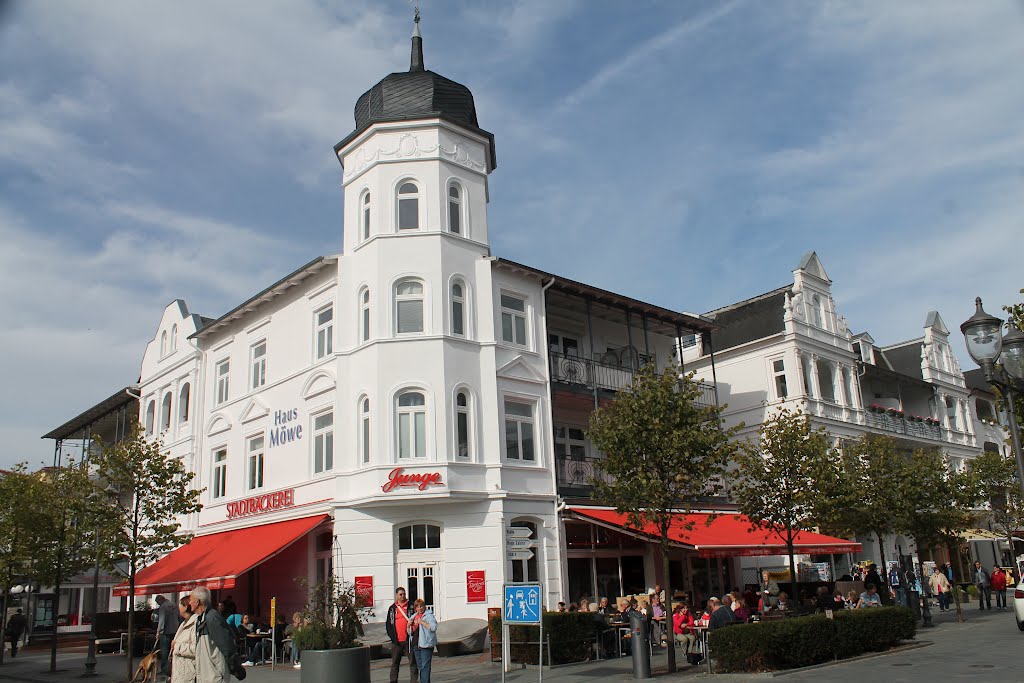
(131, 621)
(56, 591)
(792, 566)
(667, 579)
(3, 611)
(884, 573)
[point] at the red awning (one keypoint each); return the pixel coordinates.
(216, 560)
(727, 535)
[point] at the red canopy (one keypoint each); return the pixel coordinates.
(727, 535)
(216, 560)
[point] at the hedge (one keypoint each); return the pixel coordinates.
(803, 641)
(571, 635)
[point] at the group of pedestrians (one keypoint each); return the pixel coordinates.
(413, 634)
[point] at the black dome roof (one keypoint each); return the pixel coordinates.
(416, 94)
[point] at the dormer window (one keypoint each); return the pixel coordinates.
(174, 337)
(815, 311)
(163, 343)
(455, 208)
(408, 206)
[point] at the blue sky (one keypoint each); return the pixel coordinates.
(685, 153)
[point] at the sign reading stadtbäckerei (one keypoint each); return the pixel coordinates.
(521, 604)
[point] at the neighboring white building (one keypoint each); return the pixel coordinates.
(791, 347)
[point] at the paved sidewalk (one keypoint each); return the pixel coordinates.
(983, 647)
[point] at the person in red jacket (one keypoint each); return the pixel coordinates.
(998, 580)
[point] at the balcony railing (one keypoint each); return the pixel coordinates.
(891, 423)
(574, 474)
(589, 374)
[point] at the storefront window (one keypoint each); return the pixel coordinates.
(419, 537)
(633, 575)
(580, 573)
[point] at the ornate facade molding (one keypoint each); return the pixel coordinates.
(410, 147)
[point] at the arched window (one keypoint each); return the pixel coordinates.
(174, 337)
(163, 343)
(525, 570)
(815, 312)
(365, 215)
(165, 412)
(364, 315)
(419, 537)
(411, 410)
(455, 208)
(408, 206)
(458, 309)
(983, 409)
(409, 307)
(462, 425)
(364, 429)
(183, 397)
(150, 417)
(826, 381)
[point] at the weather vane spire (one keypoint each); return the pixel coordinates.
(416, 61)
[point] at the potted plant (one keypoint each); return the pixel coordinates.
(328, 638)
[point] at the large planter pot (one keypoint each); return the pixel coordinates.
(336, 666)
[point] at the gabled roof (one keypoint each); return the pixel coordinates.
(288, 281)
(810, 263)
(756, 318)
(934, 321)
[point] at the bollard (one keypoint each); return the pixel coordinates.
(640, 644)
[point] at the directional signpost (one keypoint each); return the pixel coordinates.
(521, 602)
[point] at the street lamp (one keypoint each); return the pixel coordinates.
(1002, 360)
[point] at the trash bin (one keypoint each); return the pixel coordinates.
(914, 600)
(640, 644)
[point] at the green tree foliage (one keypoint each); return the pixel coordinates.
(664, 453)
(996, 481)
(783, 478)
(152, 491)
(865, 502)
(937, 505)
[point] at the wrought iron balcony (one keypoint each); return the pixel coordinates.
(574, 474)
(589, 374)
(900, 425)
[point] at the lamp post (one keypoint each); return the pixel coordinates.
(1002, 360)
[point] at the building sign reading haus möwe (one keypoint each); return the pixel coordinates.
(258, 505)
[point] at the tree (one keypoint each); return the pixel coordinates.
(938, 505)
(19, 489)
(67, 513)
(664, 453)
(782, 479)
(995, 476)
(152, 492)
(869, 503)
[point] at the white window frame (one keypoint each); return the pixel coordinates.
(323, 332)
(151, 416)
(564, 441)
(463, 413)
(258, 365)
(163, 343)
(365, 207)
(174, 337)
(520, 421)
(219, 476)
(514, 315)
(456, 207)
(409, 196)
(778, 374)
(418, 422)
(255, 462)
(222, 379)
(323, 437)
(365, 435)
(421, 297)
(364, 314)
(458, 303)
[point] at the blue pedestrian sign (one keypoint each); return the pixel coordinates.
(521, 604)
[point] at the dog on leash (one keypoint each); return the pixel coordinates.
(148, 667)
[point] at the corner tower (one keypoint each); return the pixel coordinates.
(417, 162)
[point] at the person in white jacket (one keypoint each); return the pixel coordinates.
(183, 648)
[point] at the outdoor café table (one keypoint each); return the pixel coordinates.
(702, 638)
(252, 639)
(622, 631)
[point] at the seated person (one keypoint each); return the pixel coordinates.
(656, 613)
(264, 649)
(870, 597)
(739, 608)
(783, 603)
(823, 601)
(723, 615)
(704, 618)
(603, 607)
(851, 600)
(682, 627)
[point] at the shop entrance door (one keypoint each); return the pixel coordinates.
(422, 580)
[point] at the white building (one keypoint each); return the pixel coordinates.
(792, 347)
